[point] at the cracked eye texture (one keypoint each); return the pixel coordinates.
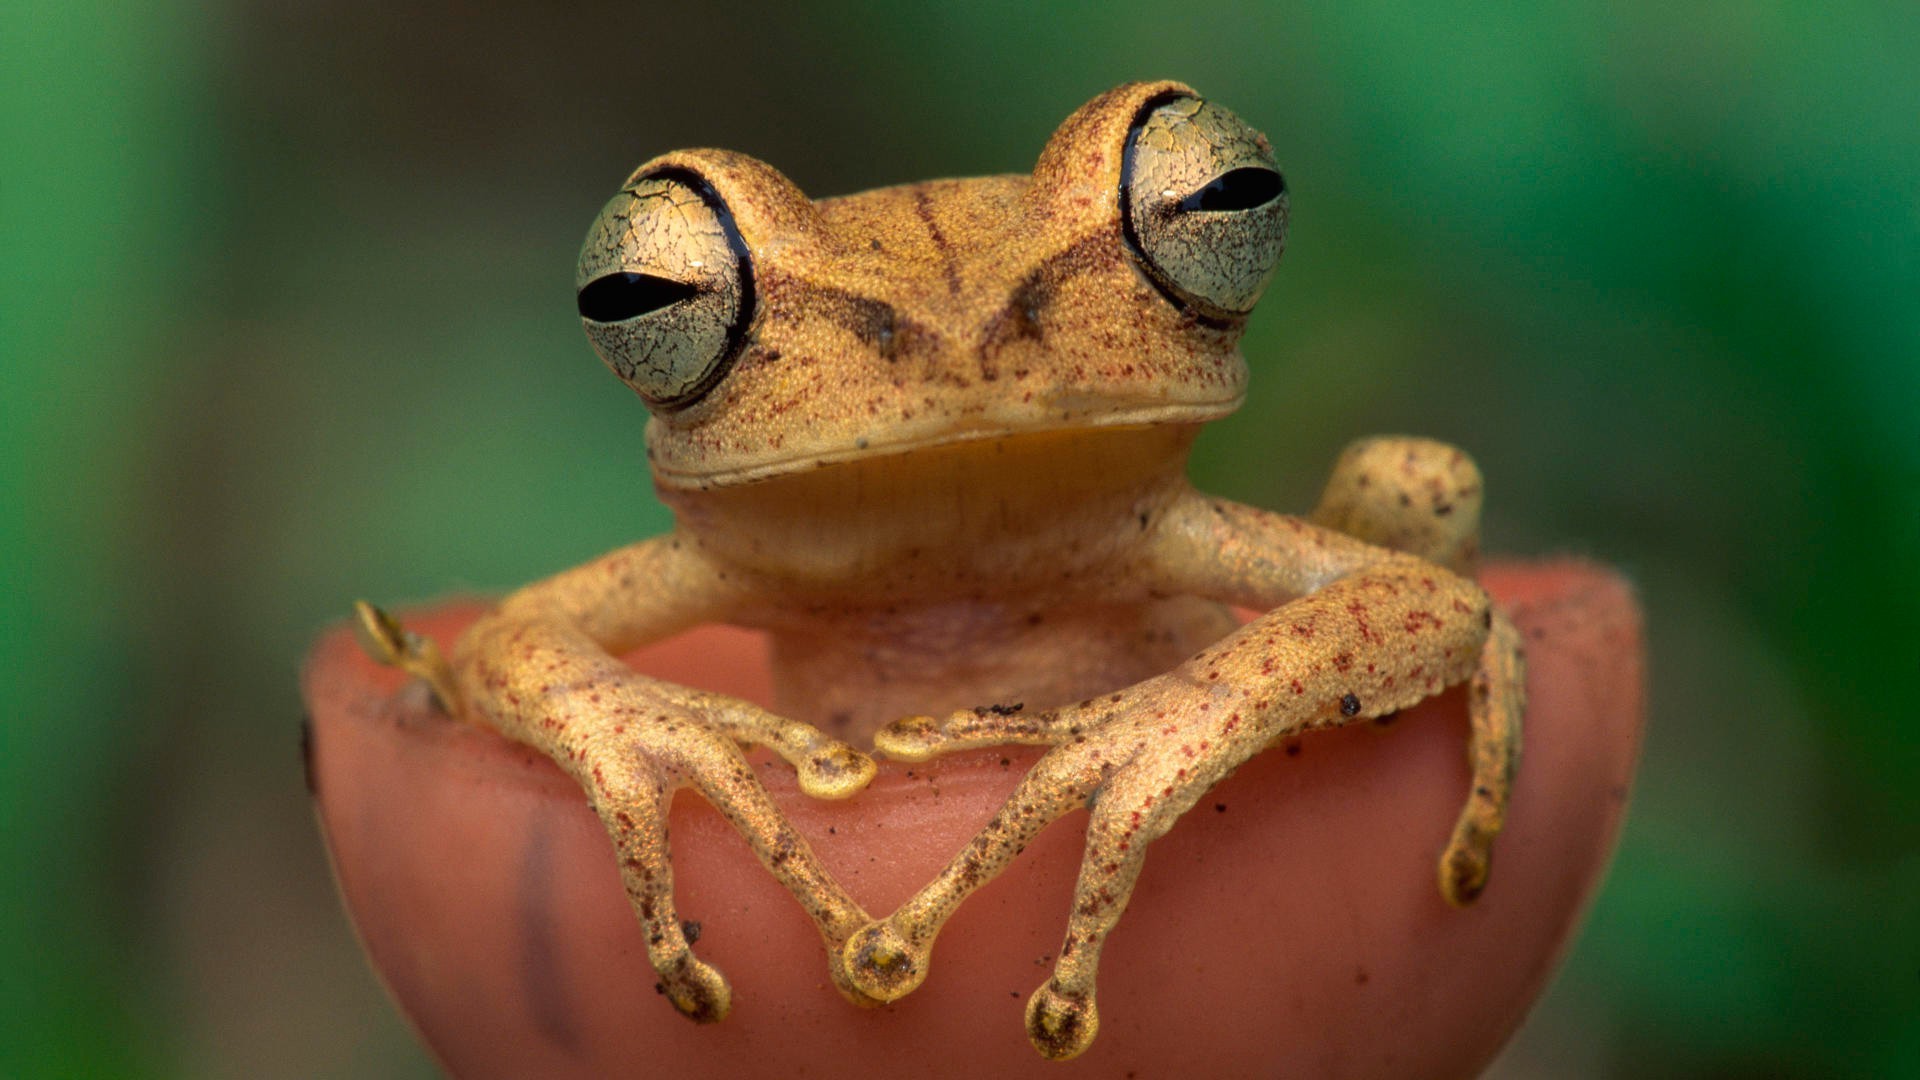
(1219, 261)
(663, 228)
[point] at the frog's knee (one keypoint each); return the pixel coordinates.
(1411, 494)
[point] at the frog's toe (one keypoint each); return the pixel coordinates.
(881, 964)
(842, 976)
(1059, 1025)
(697, 989)
(384, 638)
(911, 739)
(835, 771)
(1465, 865)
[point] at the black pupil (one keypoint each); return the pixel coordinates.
(1241, 189)
(621, 296)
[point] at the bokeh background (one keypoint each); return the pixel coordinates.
(286, 319)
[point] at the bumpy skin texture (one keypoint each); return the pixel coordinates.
(944, 468)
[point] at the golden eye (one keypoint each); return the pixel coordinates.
(666, 288)
(1203, 205)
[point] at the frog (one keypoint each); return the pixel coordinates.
(932, 440)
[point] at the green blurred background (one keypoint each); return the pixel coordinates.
(285, 319)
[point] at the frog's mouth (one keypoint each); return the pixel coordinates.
(1064, 413)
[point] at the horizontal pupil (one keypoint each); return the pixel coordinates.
(621, 296)
(1241, 189)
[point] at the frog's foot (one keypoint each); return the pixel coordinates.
(1142, 757)
(631, 742)
(888, 958)
(1496, 700)
(630, 779)
(1135, 792)
(384, 639)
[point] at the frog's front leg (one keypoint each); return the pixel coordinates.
(542, 670)
(1353, 631)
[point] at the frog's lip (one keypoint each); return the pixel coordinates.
(1155, 415)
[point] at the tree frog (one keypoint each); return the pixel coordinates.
(932, 440)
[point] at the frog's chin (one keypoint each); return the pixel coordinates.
(1065, 418)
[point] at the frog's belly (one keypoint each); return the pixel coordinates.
(854, 673)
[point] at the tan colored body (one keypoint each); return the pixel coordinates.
(946, 472)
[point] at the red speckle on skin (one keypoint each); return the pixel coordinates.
(1359, 612)
(1297, 688)
(1343, 661)
(1417, 621)
(1266, 666)
(1304, 630)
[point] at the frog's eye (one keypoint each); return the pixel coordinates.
(666, 288)
(1203, 205)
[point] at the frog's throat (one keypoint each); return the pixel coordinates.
(1155, 415)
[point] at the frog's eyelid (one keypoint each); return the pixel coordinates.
(624, 295)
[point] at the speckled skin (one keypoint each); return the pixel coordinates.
(946, 473)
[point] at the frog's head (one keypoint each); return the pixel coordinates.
(769, 334)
